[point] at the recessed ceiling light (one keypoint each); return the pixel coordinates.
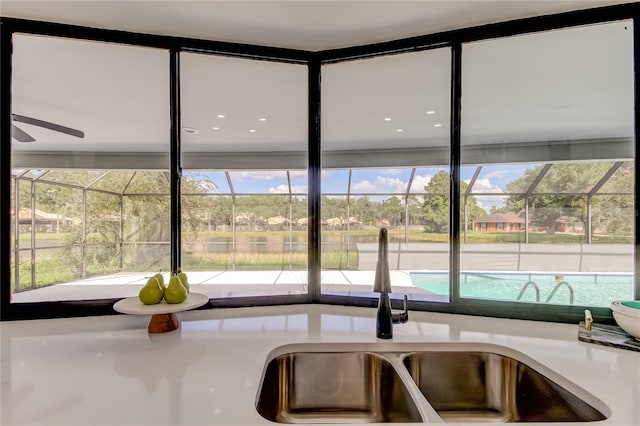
(220, 115)
(215, 128)
(190, 130)
(262, 119)
(387, 119)
(431, 112)
(437, 125)
(399, 130)
(252, 131)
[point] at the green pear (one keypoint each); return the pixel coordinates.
(175, 292)
(183, 279)
(160, 279)
(152, 292)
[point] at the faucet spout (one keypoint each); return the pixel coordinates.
(382, 281)
(382, 284)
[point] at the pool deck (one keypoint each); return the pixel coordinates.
(224, 284)
(215, 284)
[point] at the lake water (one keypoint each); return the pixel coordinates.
(277, 243)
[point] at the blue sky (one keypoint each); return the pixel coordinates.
(492, 179)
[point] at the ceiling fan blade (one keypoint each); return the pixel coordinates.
(20, 135)
(48, 125)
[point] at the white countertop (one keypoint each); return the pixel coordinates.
(110, 371)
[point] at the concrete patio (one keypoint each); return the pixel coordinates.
(214, 284)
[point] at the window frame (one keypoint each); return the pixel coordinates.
(313, 60)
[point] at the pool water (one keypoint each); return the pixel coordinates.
(589, 289)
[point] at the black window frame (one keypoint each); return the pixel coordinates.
(313, 60)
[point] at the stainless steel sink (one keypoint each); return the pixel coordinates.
(488, 387)
(328, 387)
(421, 382)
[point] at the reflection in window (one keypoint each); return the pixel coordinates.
(385, 144)
(560, 127)
(547, 169)
(97, 231)
(244, 184)
(114, 180)
(91, 204)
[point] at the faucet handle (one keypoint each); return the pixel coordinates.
(401, 317)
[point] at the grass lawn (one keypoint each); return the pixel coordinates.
(396, 234)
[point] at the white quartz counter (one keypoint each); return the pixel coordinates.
(110, 371)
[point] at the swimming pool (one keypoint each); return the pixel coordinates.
(590, 289)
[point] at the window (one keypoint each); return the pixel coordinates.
(90, 200)
(244, 181)
(385, 164)
(560, 119)
(545, 169)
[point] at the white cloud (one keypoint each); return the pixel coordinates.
(386, 184)
(261, 175)
(419, 182)
(284, 189)
(381, 184)
(363, 186)
(485, 185)
(487, 202)
(280, 189)
(496, 174)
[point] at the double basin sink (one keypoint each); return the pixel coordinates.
(417, 383)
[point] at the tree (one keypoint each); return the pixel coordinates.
(436, 205)
(254, 211)
(393, 211)
(415, 210)
(362, 208)
(200, 212)
(614, 213)
(474, 211)
(561, 192)
(299, 209)
(503, 209)
(145, 214)
(333, 207)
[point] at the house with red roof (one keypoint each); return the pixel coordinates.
(499, 222)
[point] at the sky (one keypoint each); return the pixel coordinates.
(492, 179)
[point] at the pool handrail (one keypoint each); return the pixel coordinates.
(555, 289)
(527, 284)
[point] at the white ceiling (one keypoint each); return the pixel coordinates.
(571, 84)
(308, 25)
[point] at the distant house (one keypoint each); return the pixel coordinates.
(43, 221)
(499, 222)
(341, 222)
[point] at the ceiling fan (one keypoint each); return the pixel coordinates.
(22, 136)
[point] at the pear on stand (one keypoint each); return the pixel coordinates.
(160, 279)
(149, 301)
(152, 292)
(174, 293)
(183, 279)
